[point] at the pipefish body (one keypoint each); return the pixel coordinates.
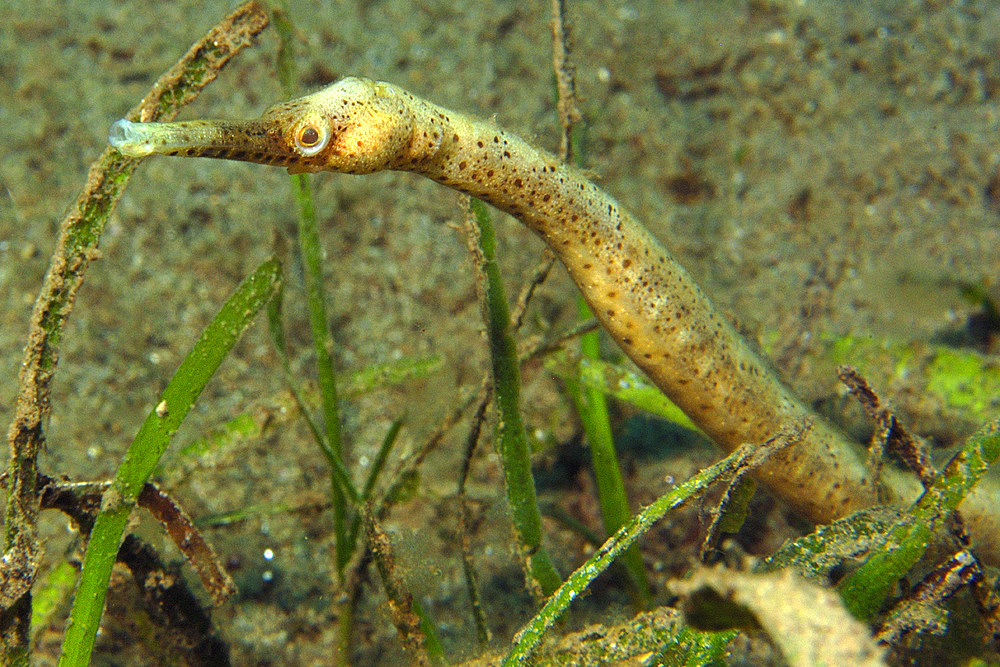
(646, 300)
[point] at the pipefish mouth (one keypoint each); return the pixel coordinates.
(218, 139)
(647, 301)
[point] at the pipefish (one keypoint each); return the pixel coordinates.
(645, 299)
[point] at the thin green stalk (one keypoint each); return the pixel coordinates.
(464, 533)
(377, 466)
(529, 637)
(218, 519)
(380, 458)
(313, 264)
(148, 446)
(592, 407)
(510, 437)
(322, 344)
(345, 630)
(570, 522)
(340, 474)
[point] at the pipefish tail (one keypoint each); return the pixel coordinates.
(646, 300)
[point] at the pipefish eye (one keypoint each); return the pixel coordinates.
(311, 137)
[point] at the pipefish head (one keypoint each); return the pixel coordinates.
(354, 126)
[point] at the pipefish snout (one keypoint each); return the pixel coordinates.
(247, 141)
(646, 300)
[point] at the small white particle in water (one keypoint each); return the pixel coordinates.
(363, 461)
(267, 575)
(154, 358)
(268, 554)
(604, 75)
(669, 479)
